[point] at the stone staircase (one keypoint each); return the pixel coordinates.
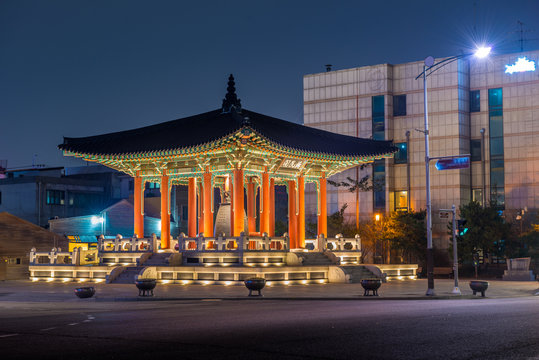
(357, 273)
(157, 259)
(128, 276)
(314, 259)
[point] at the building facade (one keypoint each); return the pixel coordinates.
(488, 108)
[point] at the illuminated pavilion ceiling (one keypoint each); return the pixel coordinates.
(225, 139)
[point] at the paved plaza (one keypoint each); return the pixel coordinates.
(46, 321)
(393, 290)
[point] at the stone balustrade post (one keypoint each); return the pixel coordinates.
(33, 256)
(266, 240)
(53, 256)
(241, 244)
(200, 242)
(358, 242)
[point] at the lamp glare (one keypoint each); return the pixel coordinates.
(482, 52)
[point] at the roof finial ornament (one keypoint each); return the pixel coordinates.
(231, 101)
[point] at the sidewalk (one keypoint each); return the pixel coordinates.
(394, 290)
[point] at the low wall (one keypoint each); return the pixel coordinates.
(69, 272)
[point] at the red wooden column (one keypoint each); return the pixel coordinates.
(231, 185)
(165, 211)
(238, 202)
(265, 207)
(200, 208)
(251, 202)
(271, 216)
(192, 208)
(323, 210)
(138, 206)
(292, 217)
(208, 214)
(301, 212)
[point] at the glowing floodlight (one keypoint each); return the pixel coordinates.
(482, 52)
(97, 220)
(521, 65)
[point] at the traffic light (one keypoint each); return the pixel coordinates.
(462, 228)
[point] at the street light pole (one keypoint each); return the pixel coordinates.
(429, 61)
(431, 67)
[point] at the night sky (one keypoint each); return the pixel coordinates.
(79, 68)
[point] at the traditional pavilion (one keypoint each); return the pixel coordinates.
(231, 149)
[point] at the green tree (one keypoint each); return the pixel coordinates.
(407, 233)
(487, 230)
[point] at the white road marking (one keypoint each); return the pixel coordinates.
(72, 324)
(47, 329)
(8, 335)
(86, 320)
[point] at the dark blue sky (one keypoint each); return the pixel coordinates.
(79, 68)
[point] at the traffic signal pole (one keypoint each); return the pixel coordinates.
(456, 289)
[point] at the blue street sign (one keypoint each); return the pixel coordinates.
(453, 163)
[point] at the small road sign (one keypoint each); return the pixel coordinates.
(453, 163)
(444, 215)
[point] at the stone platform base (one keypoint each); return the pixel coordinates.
(514, 275)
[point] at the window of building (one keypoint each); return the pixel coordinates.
(401, 156)
(378, 114)
(497, 169)
(14, 261)
(475, 103)
(185, 213)
(379, 176)
(379, 166)
(399, 105)
(0, 197)
(401, 200)
(475, 149)
(131, 185)
(88, 200)
(477, 196)
(55, 197)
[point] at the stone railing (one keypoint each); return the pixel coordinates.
(58, 257)
(134, 244)
(241, 243)
(339, 243)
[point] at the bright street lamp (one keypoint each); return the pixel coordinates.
(429, 67)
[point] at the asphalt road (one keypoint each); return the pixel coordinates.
(272, 329)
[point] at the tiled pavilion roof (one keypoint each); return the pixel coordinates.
(218, 124)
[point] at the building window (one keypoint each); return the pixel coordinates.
(185, 213)
(497, 169)
(0, 197)
(475, 149)
(401, 156)
(399, 105)
(475, 103)
(401, 200)
(55, 197)
(379, 176)
(477, 196)
(14, 261)
(87, 200)
(131, 185)
(379, 166)
(378, 114)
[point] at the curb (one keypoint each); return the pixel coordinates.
(247, 298)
